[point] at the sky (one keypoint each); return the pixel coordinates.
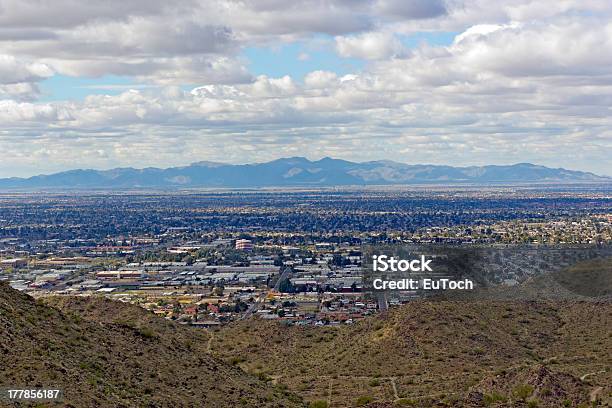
(161, 83)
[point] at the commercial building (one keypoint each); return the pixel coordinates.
(244, 245)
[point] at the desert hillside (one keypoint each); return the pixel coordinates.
(552, 352)
(439, 353)
(122, 358)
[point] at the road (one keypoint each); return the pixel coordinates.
(260, 299)
(282, 277)
(253, 308)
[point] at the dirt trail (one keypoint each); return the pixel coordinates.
(395, 394)
(584, 377)
(595, 393)
(209, 344)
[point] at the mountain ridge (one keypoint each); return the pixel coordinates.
(300, 171)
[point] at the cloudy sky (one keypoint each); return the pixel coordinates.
(159, 83)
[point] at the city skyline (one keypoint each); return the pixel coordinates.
(152, 84)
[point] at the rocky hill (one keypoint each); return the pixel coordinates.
(128, 358)
(439, 353)
(427, 353)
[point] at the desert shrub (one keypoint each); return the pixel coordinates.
(405, 402)
(364, 400)
(494, 397)
(237, 360)
(523, 391)
(533, 403)
(146, 333)
(263, 377)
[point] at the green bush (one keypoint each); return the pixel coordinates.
(263, 377)
(146, 333)
(494, 397)
(405, 402)
(237, 360)
(533, 403)
(523, 391)
(364, 400)
(318, 404)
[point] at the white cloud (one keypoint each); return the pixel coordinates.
(320, 79)
(31, 115)
(18, 78)
(71, 13)
(371, 46)
(14, 70)
(144, 38)
(521, 82)
(22, 91)
(272, 87)
(411, 9)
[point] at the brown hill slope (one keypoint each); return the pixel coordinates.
(435, 352)
(129, 360)
(537, 385)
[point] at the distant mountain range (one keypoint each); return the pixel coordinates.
(298, 171)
